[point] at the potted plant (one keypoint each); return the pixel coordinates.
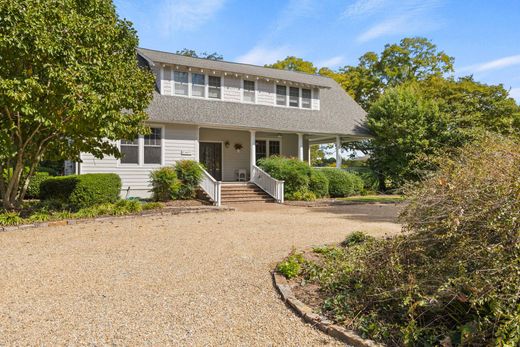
(238, 147)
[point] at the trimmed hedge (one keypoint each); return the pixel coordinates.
(33, 190)
(80, 191)
(319, 183)
(342, 183)
(294, 172)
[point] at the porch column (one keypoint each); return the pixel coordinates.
(252, 159)
(338, 152)
(300, 146)
(309, 154)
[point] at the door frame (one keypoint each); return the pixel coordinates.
(221, 155)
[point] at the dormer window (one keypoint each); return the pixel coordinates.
(198, 85)
(294, 97)
(214, 83)
(306, 98)
(180, 83)
(249, 91)
(281, 95)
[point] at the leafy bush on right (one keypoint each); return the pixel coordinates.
(343, 183)
(295, 173)
(453, 278)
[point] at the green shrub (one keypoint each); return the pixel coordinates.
(123, 207)
(33, 190)
(342, 183)
(152, 206)
(190, 174)
(10, 218)
(291, 266)
(294, 173)
(303, 196)
(165, 184)
(319, 183)
(39, 216)
(80, 191)
(356, 238)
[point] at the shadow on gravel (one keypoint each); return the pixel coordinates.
(368, 213)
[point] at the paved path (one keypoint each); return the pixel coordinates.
(194, 280)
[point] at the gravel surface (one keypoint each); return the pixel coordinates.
(196, 279)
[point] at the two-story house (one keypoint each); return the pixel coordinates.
(227, 116)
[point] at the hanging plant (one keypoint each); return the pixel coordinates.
(226, 144)
(238, 147)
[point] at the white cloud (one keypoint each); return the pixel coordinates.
(405, 18)
(331, 62)
(261, 55)
(493, 64)
(187, 14)
(515, 94)
(294, 10)
(364, 7)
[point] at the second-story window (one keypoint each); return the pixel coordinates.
(214, 87)
(198, 85)
(294, 97)
(181, 82)
(281, 95)
(306, 98)
(249, 91)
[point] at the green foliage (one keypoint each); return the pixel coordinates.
(70, 84)
(291, 266)
(294, 172)
(80, 191)
(190, 174)
(33, 190)
(319, 183)
(355, 238)
(302, 196)
(120, 208)
(165, 184)
(9, 219)
(204, 55)
(452, 278)
(152, 206)
(342, 183)
(294, 64)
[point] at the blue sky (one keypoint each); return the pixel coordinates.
(482, 35)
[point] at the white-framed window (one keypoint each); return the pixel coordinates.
(281, 95)
(306, 98)
(294, 97)
(267, 147)
(198, 85)
(129, 151)
(249, 91)
(152, 147)
(181, 84)
(214, 87)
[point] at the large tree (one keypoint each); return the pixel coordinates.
(69, 83)
(412, 59)
(204, 55)
(293, 63)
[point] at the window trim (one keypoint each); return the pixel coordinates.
(205, 85)
(298, 98)
(119, 144)
(140, 144)
(221, 89)
(267, 140)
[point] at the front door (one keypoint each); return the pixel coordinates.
(211, 157)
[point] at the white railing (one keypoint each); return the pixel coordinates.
(267, 183)
(212, 187)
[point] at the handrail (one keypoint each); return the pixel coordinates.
(269, 184)
(212, 187)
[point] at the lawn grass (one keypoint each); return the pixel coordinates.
(374, 198)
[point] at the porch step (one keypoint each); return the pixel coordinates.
(243, 192)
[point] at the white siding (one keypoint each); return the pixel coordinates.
(315, 99)
(167, 81)
(265, 93)
(180, 142)
(232, 89)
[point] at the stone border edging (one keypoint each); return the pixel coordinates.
(165, 211)
(320, 322)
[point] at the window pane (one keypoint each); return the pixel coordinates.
(294, 97)
(181, 82)
(152, 146)
(249, 86)
(152, 155)
(198, 88)
(261, 150)
(306, 98)
(281, 95)
(130, 154)
(214, 87)
(274, 148)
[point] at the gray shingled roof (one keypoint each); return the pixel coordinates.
(338, 114)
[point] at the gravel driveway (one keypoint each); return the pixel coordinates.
(197, 280)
